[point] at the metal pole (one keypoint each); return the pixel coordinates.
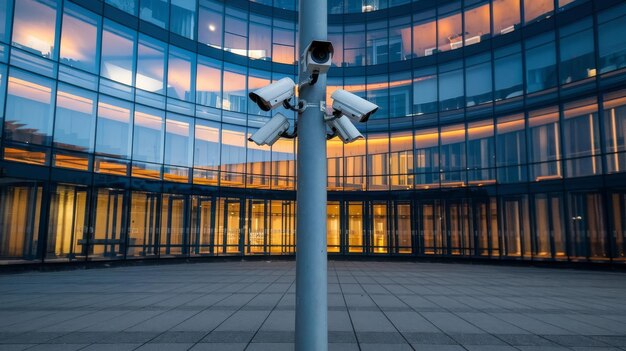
(311, 267)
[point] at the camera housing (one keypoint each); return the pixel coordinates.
(344, 129)
(353, 106)
(271, 96)
(317, 57)
(271, 131)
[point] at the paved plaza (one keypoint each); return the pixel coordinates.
(372, 306)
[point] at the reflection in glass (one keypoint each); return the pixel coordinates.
(34, 26)
(179, 74)
(178, 140)
(79, 38)
(540, 62)
(333, 228)
(577, 59)
(506, 16)
(424, 34)
(29, 108)
(150, 65)
(118, 47)
(537, 10)
(182, 18)
(155, 12)
(143, 227)
(511, 149)
(611, 41)
(173, 225)
(355, 227)
(114, 126)
(477, 26)
(615, 131)
(544, 144)
(108, 241)
(67, 227)
(74, 127)
(210, 20)
(20, 206)
(581, 138)
(508, 72)
(148, 135)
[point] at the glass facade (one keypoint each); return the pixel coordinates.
(501, 132)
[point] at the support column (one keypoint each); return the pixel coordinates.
(311, 266)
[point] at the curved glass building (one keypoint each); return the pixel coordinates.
(501, 132)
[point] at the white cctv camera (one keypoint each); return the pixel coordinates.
(271, 131)
(344, 129)
(273, 95)
(317, 57)
(352, 106)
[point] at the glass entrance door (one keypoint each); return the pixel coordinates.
(143, 225)
(282, 238)
(68, 231)
(256, 242)
(618, 219)
(586, 224)
(202, 219)
(485, 227)
(354, 227)
(457, 228)
(108, 240)
(433, 241)
(20, 204)
(228, 238)
(174, 224)
(515, 226)
(402, 234)
(379, 241)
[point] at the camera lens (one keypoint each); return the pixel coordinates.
(319, 55)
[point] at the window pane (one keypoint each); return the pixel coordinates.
(260, 38)
(400, 95)
(378, 93)
(179, 74)
(377, 43)
(34, 27)
(508, 72)
(536, 10)
(480, 152)
(178, 140)
(79, 38)
(354, 45)
(511, 148)
(210, 18)
(424, 91)
(29, 109)
(129, 6)
(477, 26)
(209, 82)
(577, 54)
(581, 139)
(235, 97)
(506, 16)
(615, 131)
(114, 127)
(450, 32)
(478, 80)
(544, 143)
(540, 63)
(117, 53)
(611, 39)
(148, 135)
(451, 86)
(425, 36)
(155, 12)
(74, 127)
(182, 15)
(150, 65)
(400, 39)
(5, 19)
(207, 149)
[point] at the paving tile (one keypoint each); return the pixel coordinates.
(164, 347)
(270, 347)
(228, 336)
(386, 347)
(111, 347)
(380, 338)
(219, 347)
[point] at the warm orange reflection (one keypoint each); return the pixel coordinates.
(176, 174)
(113, 112)
(34, 26)
(74, 102)
(29, 90)
(25, 156)
(146, 171)
(110, 167)
(71, 161)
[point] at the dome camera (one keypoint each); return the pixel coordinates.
(317, 57)
(352, 106)
(271, 96)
